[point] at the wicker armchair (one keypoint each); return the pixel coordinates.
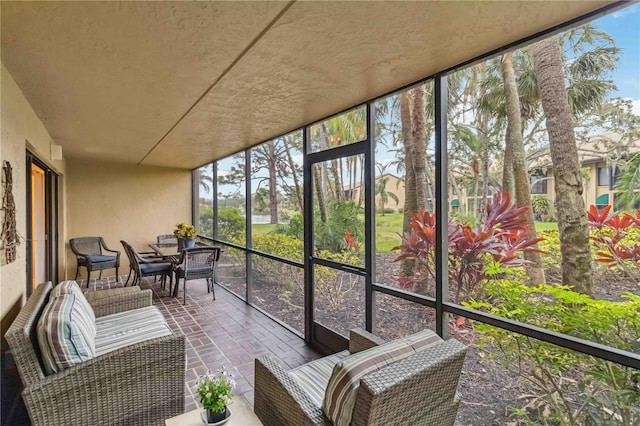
(197, 263)
(146, 266)
(89, 253)
(140, 384)
(418, 390)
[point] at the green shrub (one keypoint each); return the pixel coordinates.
(550, 244)
(342, 218)
(567, 388)
(295, 227)
(540, 205)
(286, 276)
(389, 210)
(231, 225)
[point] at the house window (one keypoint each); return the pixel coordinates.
(604, 176)
(538, 183)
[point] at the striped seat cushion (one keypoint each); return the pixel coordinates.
(340, 395)
(126, 328)
(314, 376)
(65, 333)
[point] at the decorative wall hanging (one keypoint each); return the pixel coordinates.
(9, 238)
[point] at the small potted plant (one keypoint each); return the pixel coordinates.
(186, 235)
(214, 390)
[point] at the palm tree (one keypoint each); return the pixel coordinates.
(381, 188)
(572, 219)
(515, 145)
(206, 181)
(628, 185)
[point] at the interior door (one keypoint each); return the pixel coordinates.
(42, 221)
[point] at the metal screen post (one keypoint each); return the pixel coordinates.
(247, 203)
(442, 219)
(370, 217)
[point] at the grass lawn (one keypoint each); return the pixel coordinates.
(262, 228)
(546, 226)
(387, 229)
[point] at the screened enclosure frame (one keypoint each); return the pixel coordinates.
(440, 303)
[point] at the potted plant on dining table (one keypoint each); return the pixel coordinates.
(214, 390)
(186, 235)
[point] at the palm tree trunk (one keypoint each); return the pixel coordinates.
(520, 175)
(484, 158)
(273, 190)
(572, 218)
(508, 179)
(410, 202)
(419, 146)
(317, 180)
(296, 182)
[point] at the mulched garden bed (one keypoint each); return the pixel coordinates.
(487, 389)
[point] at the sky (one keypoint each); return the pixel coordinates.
(623, 25)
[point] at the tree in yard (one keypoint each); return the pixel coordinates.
(266, 157)
(520, 176)
(572, 218)
(628, 185)
(410, 199)
(381, 188)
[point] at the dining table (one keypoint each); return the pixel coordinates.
(171, 252)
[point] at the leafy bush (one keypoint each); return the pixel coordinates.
(550, 245)
(295, 227)
(231, 225)
(389, 210)
(330, 285)
(342, 221)
(617, 239)
(286, 276)
(568, 388)
(540, 205)
(498, 239)
(342, 218)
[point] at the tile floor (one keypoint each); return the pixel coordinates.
(225, 332)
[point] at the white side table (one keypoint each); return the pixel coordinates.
(241, 415)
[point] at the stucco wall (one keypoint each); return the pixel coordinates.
(21, 128)
(124, 202)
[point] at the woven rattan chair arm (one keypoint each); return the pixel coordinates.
(361, 340)
(139, 384)
(156, 259)
(280, 400)
(121, 302)
(104, 246)
(428, 379)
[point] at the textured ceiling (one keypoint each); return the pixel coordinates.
(182, 83)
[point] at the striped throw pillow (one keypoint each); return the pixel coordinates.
(65, 333)
(340, 395)
(72, 287)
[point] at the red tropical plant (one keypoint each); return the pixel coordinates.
(351, 242)
(615, 246)
(500, 237)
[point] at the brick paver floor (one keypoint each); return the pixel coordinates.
(225, 332)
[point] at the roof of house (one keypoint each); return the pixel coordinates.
(598, 148)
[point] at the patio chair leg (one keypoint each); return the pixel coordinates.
(184, 292)
(88, 276)
(128, 277)
(117, 275)
(77, 271)
(100, 276)
(213, 290)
